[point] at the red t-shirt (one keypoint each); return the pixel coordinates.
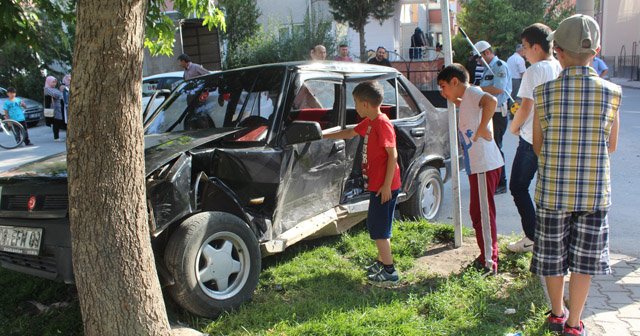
(374, 156)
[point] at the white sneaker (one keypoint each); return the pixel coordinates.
(523, 245)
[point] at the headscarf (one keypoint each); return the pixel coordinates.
(66, 80)
(50, 82)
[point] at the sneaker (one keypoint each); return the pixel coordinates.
(480, 267)
(374, 268)
(29, 144)
(501, 189)
(573, 331)
(383, 277)
(556, 323)
(57, 140)
(523, 245)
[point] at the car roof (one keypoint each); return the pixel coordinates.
(173, 74)
(329, 66)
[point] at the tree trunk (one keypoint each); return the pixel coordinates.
(363, 52)
(112, 258)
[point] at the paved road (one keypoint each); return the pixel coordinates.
(625, 175)
(42, 137)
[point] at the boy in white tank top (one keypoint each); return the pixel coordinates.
(482, 158)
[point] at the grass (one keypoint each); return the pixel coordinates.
(319, 288)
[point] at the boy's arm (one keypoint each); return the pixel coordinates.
(613, 136)
(521, 115)
(392, 160)
(342, 134)
(488, 104)
(537, 133)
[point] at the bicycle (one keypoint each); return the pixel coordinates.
(12, 134)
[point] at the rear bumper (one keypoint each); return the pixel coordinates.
(54, 260)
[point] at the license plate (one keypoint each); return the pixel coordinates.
(20, 240)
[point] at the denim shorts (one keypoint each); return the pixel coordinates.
(577, 241)
(380, 216)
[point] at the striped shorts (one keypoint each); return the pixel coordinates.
(577, 241)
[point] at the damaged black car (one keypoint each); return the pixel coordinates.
(237, 169)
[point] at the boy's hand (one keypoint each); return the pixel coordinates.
(484, 133)
(384, 193)
(22, 103)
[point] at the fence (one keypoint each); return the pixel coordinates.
(623, 66)
(424, 74)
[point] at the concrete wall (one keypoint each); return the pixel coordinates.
(620, 26)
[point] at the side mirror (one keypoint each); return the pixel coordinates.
(302, 131)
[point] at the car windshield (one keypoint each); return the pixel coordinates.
(3, 93)
(243, 98)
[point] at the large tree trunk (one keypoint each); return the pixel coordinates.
(112, 257)
(363, 52)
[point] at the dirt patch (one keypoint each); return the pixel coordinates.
(443, 259)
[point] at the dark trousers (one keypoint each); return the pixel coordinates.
(525, 165)
(26, 132)
(499, 128)
(57, 126)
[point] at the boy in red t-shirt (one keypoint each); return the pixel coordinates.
(381, 173)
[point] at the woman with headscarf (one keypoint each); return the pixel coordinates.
(66, 84)
(53, 96)
(418, 40)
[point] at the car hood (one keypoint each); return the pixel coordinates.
(159, 149)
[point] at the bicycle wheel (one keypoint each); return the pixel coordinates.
(12, 134)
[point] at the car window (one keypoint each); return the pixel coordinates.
(149, 86)
(315, 101)
(240, 99)
(388, 101)
(3, 93)
(407, 107)
(170, 83)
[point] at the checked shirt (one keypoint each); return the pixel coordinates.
(576, 113)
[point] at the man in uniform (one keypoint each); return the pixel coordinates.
(497, 84)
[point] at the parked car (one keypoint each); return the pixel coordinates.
(163, 81)
(237, 169)
(33, 112)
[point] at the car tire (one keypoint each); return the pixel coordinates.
(426, 201)
(199, 282)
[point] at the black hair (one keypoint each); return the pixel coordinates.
(455, 70)
(537, 33)
(381, 47)
(369, 91)
(185, 58)
(11, 89)
(343, 45)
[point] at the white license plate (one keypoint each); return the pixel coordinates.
(20, 240)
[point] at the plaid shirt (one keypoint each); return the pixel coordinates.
(576, 112)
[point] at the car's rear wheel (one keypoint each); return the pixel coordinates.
(426, 200)
(214, 258)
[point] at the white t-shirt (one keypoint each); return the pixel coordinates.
(483, 155)
(516, 65)
(537, 74)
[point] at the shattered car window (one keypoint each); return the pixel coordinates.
(233, 99)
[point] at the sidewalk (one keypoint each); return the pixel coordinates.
(625, 82)
(613, 306)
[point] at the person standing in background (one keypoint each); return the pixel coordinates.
(418, 41)
(498, 83)
(517, 68)
(600, 66)
(191, 69)
(344, 54)
(54, 96)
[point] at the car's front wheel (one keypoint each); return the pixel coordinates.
(215, 260)
(426, 200)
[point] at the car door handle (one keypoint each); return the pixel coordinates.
(417, 132)
(338, 146)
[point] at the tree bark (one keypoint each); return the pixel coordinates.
(112, 258)
(363, 52)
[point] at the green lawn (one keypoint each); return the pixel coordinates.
(319, 288)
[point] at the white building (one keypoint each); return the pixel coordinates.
(394, 34)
